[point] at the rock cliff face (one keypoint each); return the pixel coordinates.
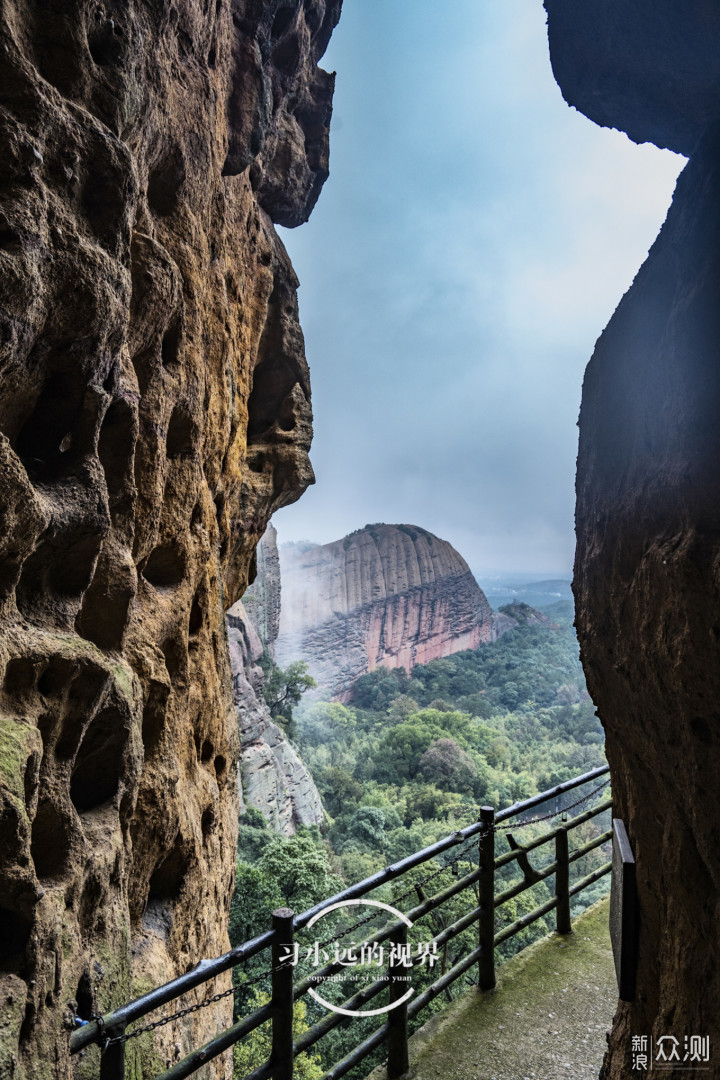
(648, 513)
(154, 411)
(262, 598)
(273, 779)
(391, 595)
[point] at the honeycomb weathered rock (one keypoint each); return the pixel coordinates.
(154, 411)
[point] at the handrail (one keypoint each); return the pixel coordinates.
(112, 1026)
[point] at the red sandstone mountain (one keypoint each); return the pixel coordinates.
(390, 595)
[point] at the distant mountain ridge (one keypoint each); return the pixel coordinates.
(538, 594)
(385, 595)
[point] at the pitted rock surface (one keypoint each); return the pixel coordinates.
(154, 412)
(387, 595)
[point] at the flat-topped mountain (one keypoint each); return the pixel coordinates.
(390, 595)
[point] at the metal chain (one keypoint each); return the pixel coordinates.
(190, 1008)
(354, 926)
(459, 856)
(547, 817)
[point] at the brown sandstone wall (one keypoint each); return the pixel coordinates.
(154, 411)
(388, 595)
(647, 584)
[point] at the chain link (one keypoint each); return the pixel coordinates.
(458, 856)
(470, 847)
(191, 1008)
(547, 817)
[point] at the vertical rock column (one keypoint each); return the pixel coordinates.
(154, 412)
(647, 580)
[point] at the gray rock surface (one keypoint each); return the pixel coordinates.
(262, 599)
(272, 778)
(648, 68)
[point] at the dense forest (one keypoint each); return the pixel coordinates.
(406, 761)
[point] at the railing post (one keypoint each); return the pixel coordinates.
(486, 922)
(562, 883)
(112, 1059)
(398, 1061)
(281, 1057)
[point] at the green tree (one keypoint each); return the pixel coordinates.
(283, 689)
(256, 896)
(300, 868)
(254, 1051)
(448, 765)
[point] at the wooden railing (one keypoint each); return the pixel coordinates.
(111, 1031)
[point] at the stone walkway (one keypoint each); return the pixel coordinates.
(546, 1020)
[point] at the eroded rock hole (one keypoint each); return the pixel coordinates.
(169, 876)
(50, 844)
(98, 765)
(170, 348)
(116, 447)
(286, 55)
(19, 676)
(45, 441)
(273, 381)
(90, 900)
(175, 653)
(282, 20)
(105, 44)
(220, 766)
(103, 201)
(165, 183)
(53, 571)
(103, 616)
(313, 20)
(206, 751)
(46, 726)
(145, 365)
(84, 996)
(208, 822)
(153, 721)
(196, 617)
(181, 432)
(256, 462)
(165, 567)
(81, 702)
(56, 676)
(10, 241)
(14, 934)
(30, 780)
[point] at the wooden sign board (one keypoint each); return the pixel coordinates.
(623, 912)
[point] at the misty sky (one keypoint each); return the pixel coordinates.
(472, 241)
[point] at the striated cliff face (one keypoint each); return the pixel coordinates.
(273, 779)
(390, 595)
(154, 411)
(261, 599)
(648, 512)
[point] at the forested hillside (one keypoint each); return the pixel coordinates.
(411, 758)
